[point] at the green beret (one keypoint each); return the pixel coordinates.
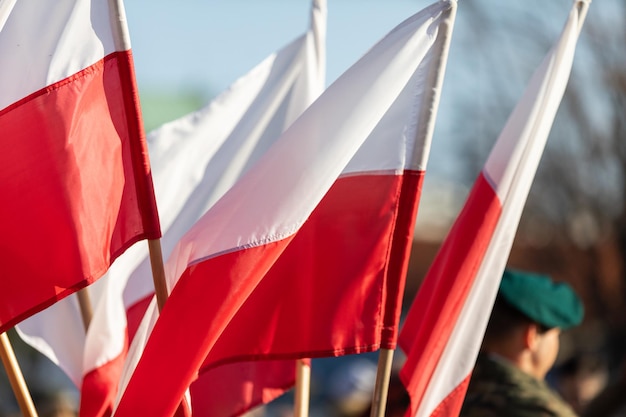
(542, 300)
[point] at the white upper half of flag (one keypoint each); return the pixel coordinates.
(531, 120)
(363, 123)
(319, 17)
(200, 156)
(510, 168)
(44, 42)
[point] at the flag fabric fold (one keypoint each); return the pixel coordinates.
(75, 177)
(445, 324)
(195, 159)
(295, 256)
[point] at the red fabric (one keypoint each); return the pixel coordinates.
(451, 405)
(441, 297)
(135, 313)
(193, 317)
(233, 389)
(399, 255)
(98, 384)
(99, 387)
(76, 186)
(323, 296)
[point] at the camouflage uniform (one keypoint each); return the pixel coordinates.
(498, 388)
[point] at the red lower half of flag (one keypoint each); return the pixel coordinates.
(440, 299)
(322, 292)
(232, 389)
(99, 387)
(75, 184)
(451, 405)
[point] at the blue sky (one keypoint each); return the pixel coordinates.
(207, 44)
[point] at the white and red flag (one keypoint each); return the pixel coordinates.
(195, 159)
(445, 325)
(74, 172)
(303, 256)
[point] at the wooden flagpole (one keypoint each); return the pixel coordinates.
(86, 307)
(381, 388)
(302, 389)
(16, 379)
(426, 126)
(122, 42)
(158, 271)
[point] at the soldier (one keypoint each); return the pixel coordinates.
(520, 346)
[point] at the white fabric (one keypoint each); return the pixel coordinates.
(52, 39)
(511, 169)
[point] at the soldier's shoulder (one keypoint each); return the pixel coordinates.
(499, 390)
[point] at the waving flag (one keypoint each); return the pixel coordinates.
(195, 159)
(74, 173)
(303, 242)
(445, 325)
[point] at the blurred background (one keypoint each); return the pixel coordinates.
(574, 223)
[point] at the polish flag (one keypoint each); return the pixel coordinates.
(445, 325)
(195, 159)
(300, 258)
(74, 171)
